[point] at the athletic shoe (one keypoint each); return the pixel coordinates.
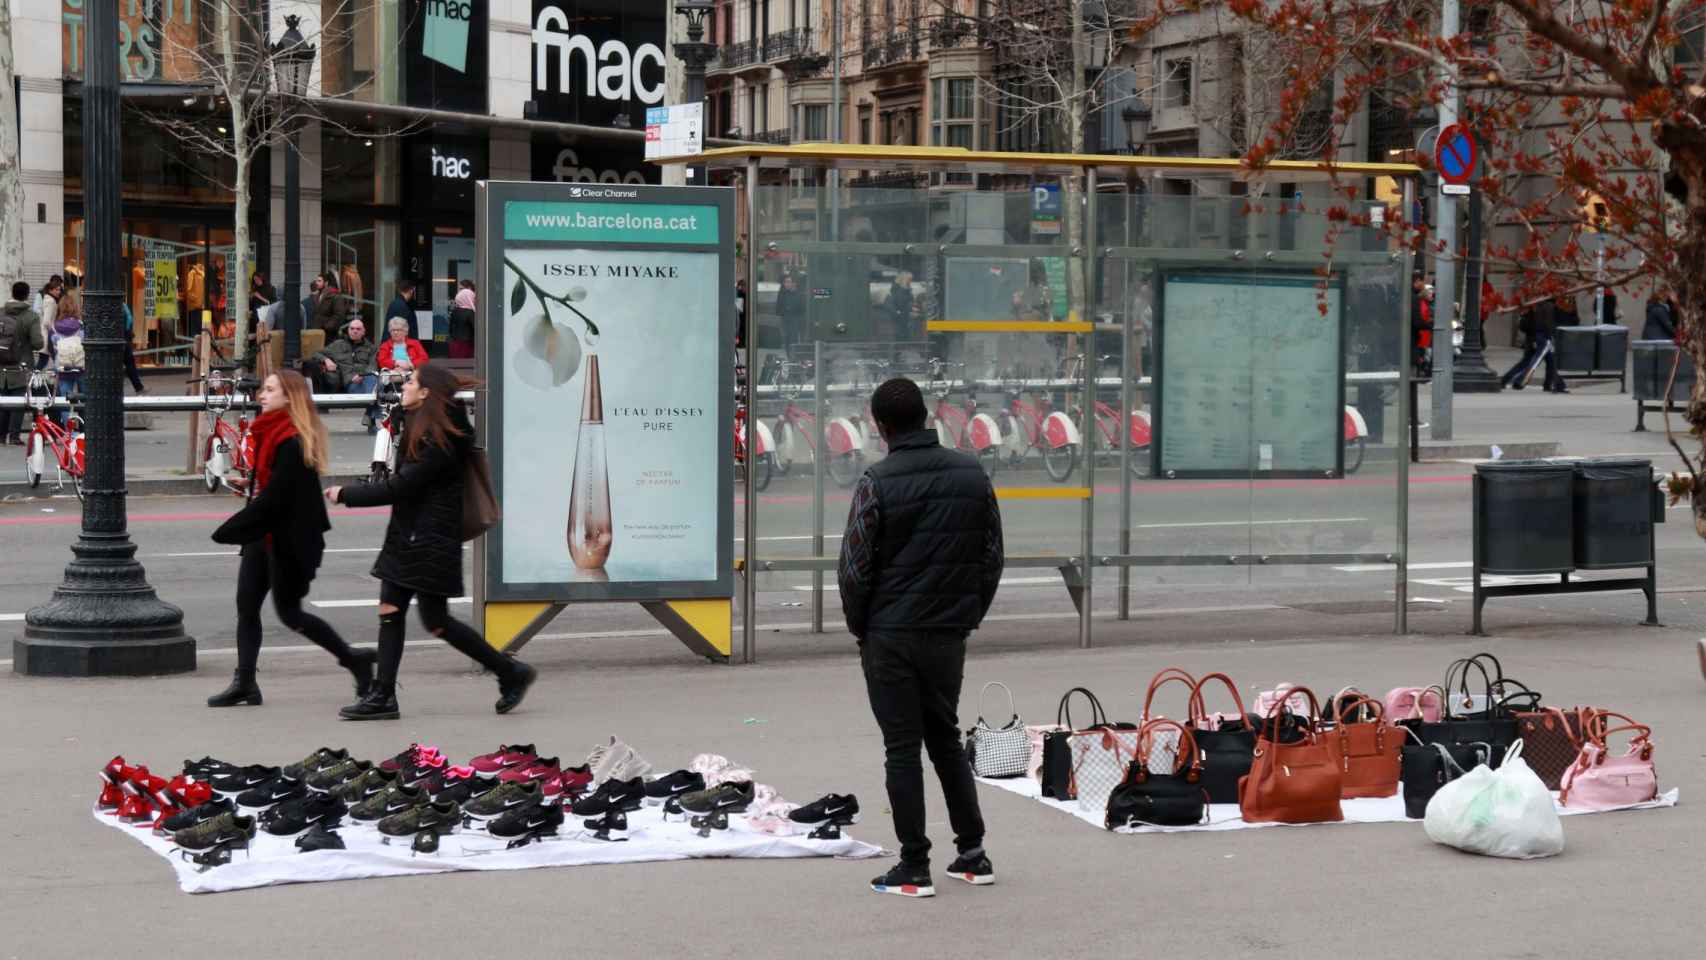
(613, 795)
(503, 758)
(297, 815)
(371, 781)
(113, 772)
(976, 871)
(207, 768)
(541, 769)
(675, 784)
(225, 828)
(572, 782)
(421, 816)
(722, 798)
(514, 690)
(836, 807)
(449, 777)
(539, 817)
(425, 842)
(328, 779)
(246, 777)
(393, 799)
(319, 837)
(905, 880)
(460, 792)
(134, 809)
(503, 799)
(315, 762)
(414, 753)
(418, 771)
(616, 761)
(185, 819)
(111, 797)
(270, 792)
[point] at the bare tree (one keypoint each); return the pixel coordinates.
(11, 184)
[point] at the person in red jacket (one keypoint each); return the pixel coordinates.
(401, 350)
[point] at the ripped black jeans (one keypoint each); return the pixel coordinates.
(435, 616)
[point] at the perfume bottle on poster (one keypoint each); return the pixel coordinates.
(590, 527)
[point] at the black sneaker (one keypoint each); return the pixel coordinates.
(415, 773)
(369, 783)
(674, 785)
(613, 795)
(722, 798)
(829, 808)
(328, 779)
(314, 763)
(906, 880)
(207, 768)
(504, 798)
(393, 799)
(533, 819)
(276, 790)
(227, 828)
(976, 871)
(513, 691)
(319, 837)
(295, 816)
(429, 815)
(460, 791)
(244, 778)
(187, 818)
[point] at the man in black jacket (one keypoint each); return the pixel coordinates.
(919, 567)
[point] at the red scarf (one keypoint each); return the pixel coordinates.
(268, 431)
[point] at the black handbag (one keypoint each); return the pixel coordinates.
(1423, 769)
(1175, 799)
(1495, 725)
(1226, 744)
(1057, 746)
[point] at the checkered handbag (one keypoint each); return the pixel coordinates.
(1003, 751)
(1099, 761)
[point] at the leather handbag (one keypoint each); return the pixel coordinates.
(480, 510)
(1493, 725)
(1100, 759)
(997, 751)
(1292, 782)
(1414, 703)
(1057, 744)
(1552, 740)
(1368, 748)
(1600, 781)
(1161, 757)
(1425, 767)
(1225, 744)
(1175, 798)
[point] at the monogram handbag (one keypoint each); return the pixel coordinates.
(1225, 743)
(1600, 781)
(1292, 782)
(1057, 762)
(1367, 747)
(998, 751)
(1552, 740)
(1100, 758)
(1425, 767)
(1161, 756)
(1174, 798)
(1490, 723)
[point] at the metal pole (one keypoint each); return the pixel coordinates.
(819, 411)
(1471, 373)
(1088, 512)
(293, 245)
(104, 619)
(1401, 612)
(1445, 271)
(749, 584)
(1131, 370)
(835, 118)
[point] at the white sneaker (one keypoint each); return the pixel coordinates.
(615, 760)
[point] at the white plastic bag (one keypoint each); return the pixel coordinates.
(1506, 812)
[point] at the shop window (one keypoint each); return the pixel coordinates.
(359, 169)
(814, 122)
(358, 51)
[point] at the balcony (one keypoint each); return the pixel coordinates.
(778, 137)
(738, 55)
(787, 45)
(956, 30)
(896, 48)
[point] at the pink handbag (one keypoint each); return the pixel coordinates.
(1600, 781)
(1297, 702)
(1035, 734)
(1413, 703)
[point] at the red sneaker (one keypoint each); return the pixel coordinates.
(196, 794)
(134, 809)
(572, 782)
(113, 772)
(111, 796)
(503, 758)
(422, 768)
(537, 769)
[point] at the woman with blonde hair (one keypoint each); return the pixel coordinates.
(282, 530)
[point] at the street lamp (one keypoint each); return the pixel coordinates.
(695, 54)
(104, 619)
(1137, 117)
(293, 63)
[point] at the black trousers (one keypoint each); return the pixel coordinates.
(913, 681)
(435, 616)
(130, 364)
(1530, 353)
(256, 576)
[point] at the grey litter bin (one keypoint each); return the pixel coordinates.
(1610, 346)
(1612, 511)
(1651, 367)
(1683, 389)
(1575, 348)
(1520, 511)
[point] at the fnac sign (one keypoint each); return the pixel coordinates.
(593, 59)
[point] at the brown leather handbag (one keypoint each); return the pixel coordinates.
(1369, 749)
(1552, 740)
(1292, 782)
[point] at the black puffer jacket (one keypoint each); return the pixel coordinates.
(291, 511)
(423, 541)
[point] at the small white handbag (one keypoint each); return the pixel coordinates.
(1002, 751)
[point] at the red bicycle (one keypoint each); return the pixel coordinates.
(960, 426)
(1064, 442)
(46, 434)
(761, 459)
(228, 449)
(796, 431)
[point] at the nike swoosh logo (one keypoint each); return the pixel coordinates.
(534, 823)
(281, 796)
(514, 803)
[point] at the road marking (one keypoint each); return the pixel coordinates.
(333, 604)
(1248, 523)
(11, 617)
(233, 553)
(827, 536)
(1389, 567)
(1009, 582)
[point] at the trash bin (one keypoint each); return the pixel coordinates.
(1575, 348)
(1612, 509)
(1683, 388)
(1651, 367)
(1518, 512)
(1610, 346)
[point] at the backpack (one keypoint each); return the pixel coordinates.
(9, 326)
(70, 352)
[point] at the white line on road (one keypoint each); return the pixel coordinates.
(11, 617)
(827, 536)
(233, 553)
(1247, 523)
(332, 604)
(1389, 567)
(1008, 582)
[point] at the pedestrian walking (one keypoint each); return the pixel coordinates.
(67, 347)
(463, 321)
(791, 308)
(421, 559)
(282, 533)
(20, 341)
(402, 306)
(1536, 326)
(130, 351)
(51, 294)
(920, 563)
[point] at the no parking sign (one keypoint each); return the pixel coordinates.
(1455, 155)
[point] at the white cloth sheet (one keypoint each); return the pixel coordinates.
(1225, 816)
(273, 860)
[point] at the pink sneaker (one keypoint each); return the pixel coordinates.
(537, 769)
(503, 758)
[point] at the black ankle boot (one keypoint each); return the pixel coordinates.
(379, 704)
(513, 689)
(360, 665)
(242, 690)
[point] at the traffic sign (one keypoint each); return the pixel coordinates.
(1454, 189)
(1455, 154)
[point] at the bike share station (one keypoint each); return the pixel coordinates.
(1170, 393)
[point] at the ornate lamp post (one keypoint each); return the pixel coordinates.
(293, 62)
(695, 53)
(1137, 117)
(104, 618)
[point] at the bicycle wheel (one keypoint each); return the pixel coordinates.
(761, 472)
(77, 485)
(1059, 461)
(211, 464)
(844, 468)
(783, 433)
(32, 447)
(989, 458)
(1139, 463)
(1354, 452)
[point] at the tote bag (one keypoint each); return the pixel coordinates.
(998, 751)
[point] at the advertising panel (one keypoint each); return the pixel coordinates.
(609, 363)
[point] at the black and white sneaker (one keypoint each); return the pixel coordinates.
(906, 880)
(294, 816)
(731, 797)
(539, 818)
(839, 808)
(187, 818)
(393, 799)
(621, 795)
(976, 871)
(674, 785)
(242, 779)
(270, 792)
(207, 768)
(319, 837)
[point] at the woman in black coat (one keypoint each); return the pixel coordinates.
(282, 531)
(422, 556)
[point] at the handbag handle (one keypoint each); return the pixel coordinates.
(1505, 703)
(1065, 709)
(1197, 711)
(1185, 757)
(1279, 707)
(1445, 755)
(1465, 664)
(1600, 730)
(1169, 675)
(1011, 706)
(1360, 702)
